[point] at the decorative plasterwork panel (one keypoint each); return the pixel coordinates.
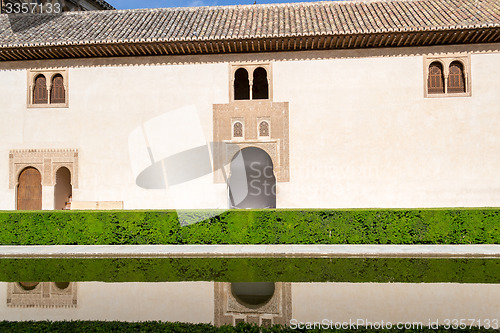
(228, 311)
(251, 113)
(44, 295)
(46, 161)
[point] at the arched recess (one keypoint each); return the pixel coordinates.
(456, 78)
(40, 93)
(241, 84)
(57, 90)
(29, 190)
(436, 78)
(252, 183)
(260, 87)
(253, 294)
(63, 189)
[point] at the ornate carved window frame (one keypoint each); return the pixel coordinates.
(46, 161)
(49, 75)
(268, 121)
(242, 122)
(445, 61)
(250, 67)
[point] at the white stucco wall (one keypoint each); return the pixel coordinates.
(361, 132)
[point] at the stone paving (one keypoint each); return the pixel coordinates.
(178, 251)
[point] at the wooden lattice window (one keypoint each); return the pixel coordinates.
(40, 94)
(456, 78)
(57, 91)
(238, 130)
(264, 128)
(436, 78)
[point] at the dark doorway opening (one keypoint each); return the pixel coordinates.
(252, 183)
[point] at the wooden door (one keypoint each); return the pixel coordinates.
(29, 190)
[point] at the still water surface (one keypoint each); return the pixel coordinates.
(258, 290)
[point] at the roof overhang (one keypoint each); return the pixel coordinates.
(297, 43)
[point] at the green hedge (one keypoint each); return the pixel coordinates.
(354, 270)
(95, 326)
(357, 226)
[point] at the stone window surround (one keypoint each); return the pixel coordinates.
(250, 67)
(49, 75)
(445, 61)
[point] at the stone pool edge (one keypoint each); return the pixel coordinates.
(246, 251)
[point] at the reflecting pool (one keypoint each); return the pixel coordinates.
(264, 291)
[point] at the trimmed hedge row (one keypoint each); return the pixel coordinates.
(356, 226)
(380, 270)
(95, 326)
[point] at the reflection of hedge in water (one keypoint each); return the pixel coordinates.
(253, 269)
(356, 226)
(110, 326)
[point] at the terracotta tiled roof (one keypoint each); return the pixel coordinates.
(247, 22)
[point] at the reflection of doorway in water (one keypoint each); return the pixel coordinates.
(252, 171)
(252, 294)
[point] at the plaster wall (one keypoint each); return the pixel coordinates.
(361, 133)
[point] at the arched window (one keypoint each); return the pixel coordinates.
(264, 128)
(260, 88)
(238, 130)
(436, 78)
(40, 94)
(241, 84)
(456, 78)
(57, 92)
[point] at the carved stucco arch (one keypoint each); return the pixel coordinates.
(20, 170)
(59, 167)
(46, 161)
(263, 146)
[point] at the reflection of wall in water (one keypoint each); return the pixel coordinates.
(209, 302)
(231, 309)
(42, 294)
